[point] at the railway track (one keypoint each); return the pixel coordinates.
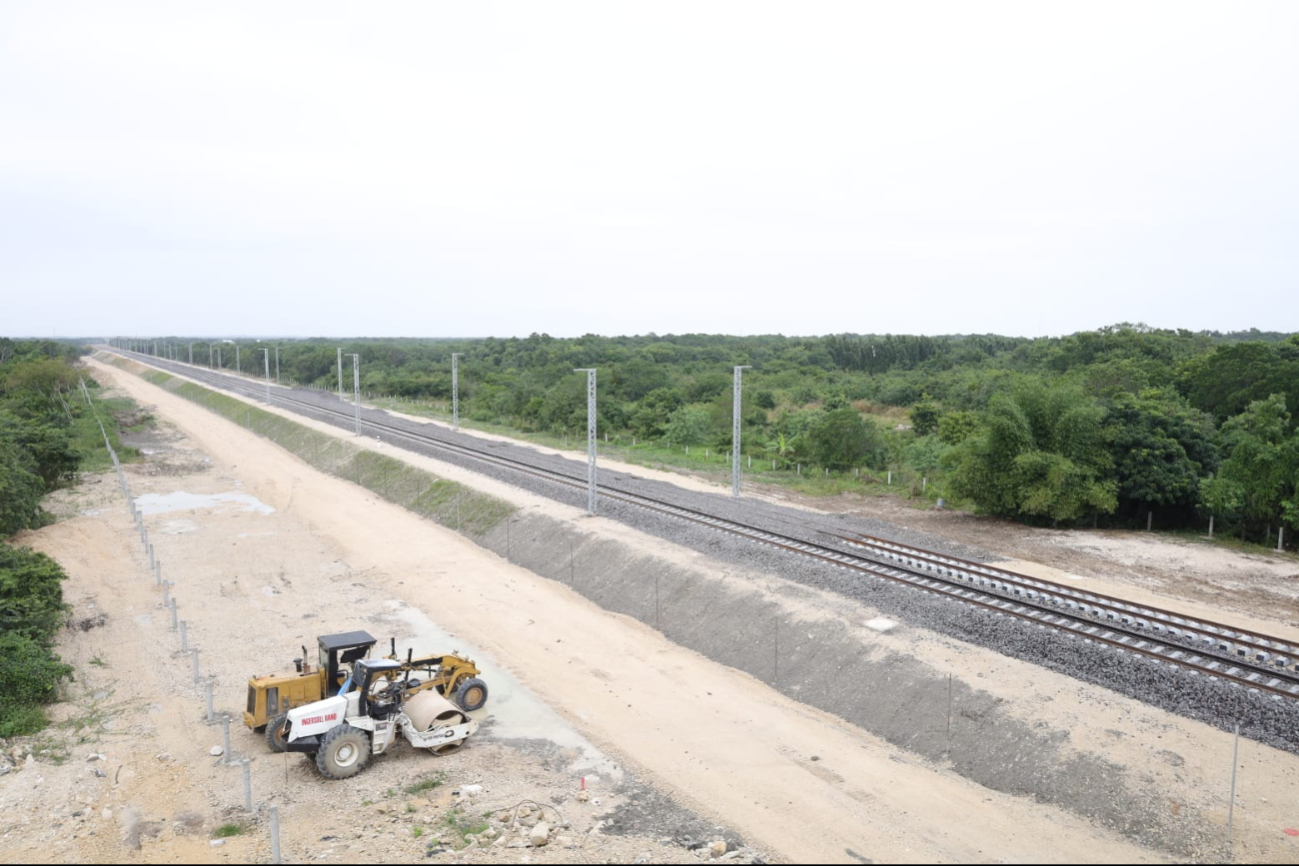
(1236, 656)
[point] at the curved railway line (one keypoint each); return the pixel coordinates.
(1243, 658)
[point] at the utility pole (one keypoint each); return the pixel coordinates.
(210, 365)
(590, 437)
(356, 390)
(455, 390)
(340, 372)
(267, 356)
(219, 364)
(735, 432)
(238, 369)
(277, 365)
(191, 354)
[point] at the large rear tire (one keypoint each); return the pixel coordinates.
(276, 731)
(344, 752)
(471, 694)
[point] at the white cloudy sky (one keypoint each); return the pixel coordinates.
(802, 168)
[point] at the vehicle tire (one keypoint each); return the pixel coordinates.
(344, 752)
(276, 730)
(471, 694)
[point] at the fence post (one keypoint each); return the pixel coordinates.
(275, 834)
(196, 676)
(1231, 807)
(248, 786)
(184, 642)
(208, 690)
(225, 739)
(775, 651)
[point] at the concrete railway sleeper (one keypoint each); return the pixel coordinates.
(1204, 635)
(1131, 629)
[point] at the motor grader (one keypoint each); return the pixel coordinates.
(270, 698)
(342, 732)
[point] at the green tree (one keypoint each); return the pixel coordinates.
(1261, 471)
(20, 490)
(925, 416)
(649, 418)
(1040, 454)
(841, 440)
(688, 425)
(31, 594)
(1227, 380)
(923, 454)
(1161, 448)
(955, 427)
(50, 447)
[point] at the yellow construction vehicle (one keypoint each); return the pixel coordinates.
(271, 697)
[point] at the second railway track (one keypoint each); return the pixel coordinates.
(1240, 657)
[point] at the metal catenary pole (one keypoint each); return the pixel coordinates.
(455, 390)
(590, 437)
(356, 390)
(266, 356)
(277, 365)
(340, 372)
(238, 369)
(191, 354)
(735, 432)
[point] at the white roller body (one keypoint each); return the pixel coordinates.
(428, 709)
(312, 719)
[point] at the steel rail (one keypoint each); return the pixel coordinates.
(1207, 635)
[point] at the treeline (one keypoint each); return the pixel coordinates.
(41, 413)
(1110, 424)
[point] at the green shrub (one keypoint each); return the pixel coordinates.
(31, 594)
(29, 673)
(19, 720)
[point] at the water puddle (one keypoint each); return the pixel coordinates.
(516, 712)
(164, 503)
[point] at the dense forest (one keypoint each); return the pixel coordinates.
(1107, 425)
(49, 429)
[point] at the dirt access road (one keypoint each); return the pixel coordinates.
(797, 784)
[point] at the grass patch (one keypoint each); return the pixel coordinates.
(19, 720)
(428, 783)
(225, 831)
(91, 724)
(417, 831)
(98, 662)
(462, 826)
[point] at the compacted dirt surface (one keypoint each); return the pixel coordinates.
(681, 759)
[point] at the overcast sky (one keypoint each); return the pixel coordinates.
(438, 169)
